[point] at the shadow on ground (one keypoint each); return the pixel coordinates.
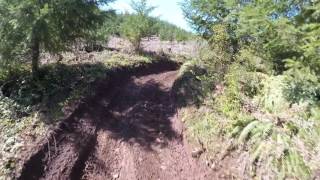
(140, 112)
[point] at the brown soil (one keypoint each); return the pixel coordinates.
(130, 130)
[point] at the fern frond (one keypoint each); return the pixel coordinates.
(247, 130)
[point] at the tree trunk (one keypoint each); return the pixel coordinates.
(35, 53)
(137, 46)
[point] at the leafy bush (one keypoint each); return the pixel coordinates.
(9, 109)
(303, 84)
(55, 79)
(188, 86)
(272, 96)
(253, 62)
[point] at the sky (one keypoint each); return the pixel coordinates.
(168, 10)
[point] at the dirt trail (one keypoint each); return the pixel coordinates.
(132, 132)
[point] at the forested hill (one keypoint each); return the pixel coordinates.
(119, 25)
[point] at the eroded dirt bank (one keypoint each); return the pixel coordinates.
(130, 131)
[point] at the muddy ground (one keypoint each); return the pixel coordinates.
(130, 130)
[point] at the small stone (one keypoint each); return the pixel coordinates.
(158, 140)
(223, 176)
(197, 153)
(213, 166)
(207, 163)
(115, 176)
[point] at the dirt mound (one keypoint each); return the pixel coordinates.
(130, 130)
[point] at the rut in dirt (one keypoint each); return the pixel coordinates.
(130, 132)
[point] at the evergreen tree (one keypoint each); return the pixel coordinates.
(29, 26)
(138, 25)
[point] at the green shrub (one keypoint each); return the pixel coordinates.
(303, 84)
(248, 58)
(229, 103)
(272, 97)
(188, 86)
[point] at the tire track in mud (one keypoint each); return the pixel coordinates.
(129, 132)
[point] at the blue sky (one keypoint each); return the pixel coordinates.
(168, 10)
